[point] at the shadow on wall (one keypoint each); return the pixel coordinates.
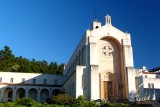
(37, 86)
(149, 93)
(132, 96)
(139, 88)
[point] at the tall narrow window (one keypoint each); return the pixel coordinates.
(76, 60)
(152, 85)
(74, 64)
(79, 58)
(83, 55)
(149, 85)
(10, 94)
(34, 81)
(45, 81)
(0, 79)
(23, 80)
(11, 80)
(55, 81)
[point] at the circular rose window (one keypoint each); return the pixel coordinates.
(106, 50)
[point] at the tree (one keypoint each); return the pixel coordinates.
(53, 67)
(60, 69)
(10, 63)
(6, 59)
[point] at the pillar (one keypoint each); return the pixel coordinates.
(38, 94)
(131, 84)
(94, 83)
(14, 94)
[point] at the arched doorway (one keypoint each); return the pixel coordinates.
(55, 92)
(44, 95)
(33, 94)
(111, 68)
(8, 95)
(107, 85)
(20, 93)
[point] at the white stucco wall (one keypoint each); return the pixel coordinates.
(28, 77)
(52, 82)
(148, 87)
(131, 83)
(81, 80)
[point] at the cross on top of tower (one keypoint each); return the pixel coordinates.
(108, 19)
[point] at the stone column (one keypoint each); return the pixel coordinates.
(131, 84)
(94, 76)
(94, 83)
(50, 93)
(38, 94)
(128, 53)
(26, 92)
(14, 94)
(2, 92)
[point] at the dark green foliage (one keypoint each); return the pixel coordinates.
(62, 99)
(81, 98)
(104, 104)
(85, 104)
(10, 63)
(7, 104)
(26, 102)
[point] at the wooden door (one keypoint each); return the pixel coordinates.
(107, 89)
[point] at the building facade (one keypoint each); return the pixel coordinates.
(147, 84)
(101, 67)
(97, 68)
(29, 85)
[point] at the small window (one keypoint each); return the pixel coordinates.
(97, 27)
(45, 81)
(10, 94)
(11, 80)
(23, 80)
(34, 81)
(145, 76)
(55, 81)
(152, 85)
(0, 79)
(149, 85)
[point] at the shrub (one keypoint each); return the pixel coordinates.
(26, 102)
(62, 99)
(7, 104)
(81, 98)
(104, 104)
(90, 104)
(85, 104)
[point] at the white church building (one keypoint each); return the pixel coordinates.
(101, 67)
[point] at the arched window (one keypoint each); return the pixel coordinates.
(10, 94)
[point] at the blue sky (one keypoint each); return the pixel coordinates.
(51, 29)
